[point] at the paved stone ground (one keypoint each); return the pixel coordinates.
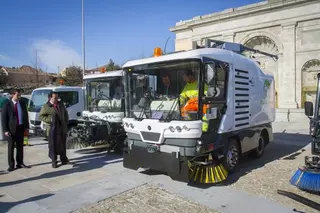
(263, 177)
(146, 198)
(97, 175)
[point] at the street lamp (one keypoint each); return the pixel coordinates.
(83, 41)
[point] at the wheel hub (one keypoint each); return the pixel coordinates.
(261, 145)
(232, 156)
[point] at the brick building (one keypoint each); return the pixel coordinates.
(25, 76)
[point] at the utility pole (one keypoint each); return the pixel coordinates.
(83, 41)
(83, 55)
(36, 66)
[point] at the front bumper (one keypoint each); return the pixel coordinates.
(36, 130)
(170, 162)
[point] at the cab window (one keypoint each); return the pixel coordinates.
(69, 98)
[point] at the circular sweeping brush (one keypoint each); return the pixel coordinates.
(207, 171)
(308, 177)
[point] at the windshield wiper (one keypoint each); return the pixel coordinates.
(170, 113)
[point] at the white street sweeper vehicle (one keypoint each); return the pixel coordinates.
(191, 114)
(101, 121)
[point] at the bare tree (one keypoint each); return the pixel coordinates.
(35, 64)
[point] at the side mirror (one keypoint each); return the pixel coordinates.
(308, 108)
(210, 73)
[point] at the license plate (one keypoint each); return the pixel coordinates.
(31, 131)
(152, 148)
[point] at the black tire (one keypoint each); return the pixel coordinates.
(259, 151)
(232, 155)
(119, 148)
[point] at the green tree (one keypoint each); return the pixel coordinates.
(112, 66)
(73, 76)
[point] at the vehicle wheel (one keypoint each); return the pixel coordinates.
(119, 147)
(232, 155)
(259, 151)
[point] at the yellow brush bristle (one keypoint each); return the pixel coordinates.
(212, 176)
(207, 174)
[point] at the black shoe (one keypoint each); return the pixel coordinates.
(10, 169)
(19, 166)
(54, 165)
(66, 163)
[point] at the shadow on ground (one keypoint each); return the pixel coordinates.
(91, 150)
(285, 146)
(81, 164)
(6, 206)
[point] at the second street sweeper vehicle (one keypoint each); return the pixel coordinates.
(308, 177)
(191, 114)
(101, 121)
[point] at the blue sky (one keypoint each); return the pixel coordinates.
(121, 30)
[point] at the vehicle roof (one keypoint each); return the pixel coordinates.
(219, 54)
(227, 56)
(58, 88)
(114, 73)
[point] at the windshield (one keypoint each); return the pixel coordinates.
(105, 94)
(38, 99)
(163, 90)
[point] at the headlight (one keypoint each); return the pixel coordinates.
(185, 128)
(171, 128)
(126, 124)
(178, 128)
(132, 126)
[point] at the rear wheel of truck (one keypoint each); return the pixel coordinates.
(118, 149)
(232, 155)
(259, 151)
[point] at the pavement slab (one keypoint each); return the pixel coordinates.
(147, 199)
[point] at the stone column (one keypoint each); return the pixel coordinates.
(183, 44)
(287, 67)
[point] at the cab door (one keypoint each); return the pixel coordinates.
(214, 102)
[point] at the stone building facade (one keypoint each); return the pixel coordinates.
(287, 28)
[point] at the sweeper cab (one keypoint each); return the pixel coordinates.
(308, 177)
(101, 121)
(192, 114)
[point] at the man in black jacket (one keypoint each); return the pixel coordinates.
(168, 88)
(15, 122)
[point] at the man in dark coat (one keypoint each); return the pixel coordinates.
(168, 88)
(55, 115)
(15, 122)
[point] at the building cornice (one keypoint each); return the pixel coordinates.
(235, 12)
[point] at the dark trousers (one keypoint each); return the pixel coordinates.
(16, 140)
(58, 147)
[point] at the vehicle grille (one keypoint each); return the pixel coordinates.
(150, 136)
(33, 122)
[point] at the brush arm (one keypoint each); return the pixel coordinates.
(300, 199)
